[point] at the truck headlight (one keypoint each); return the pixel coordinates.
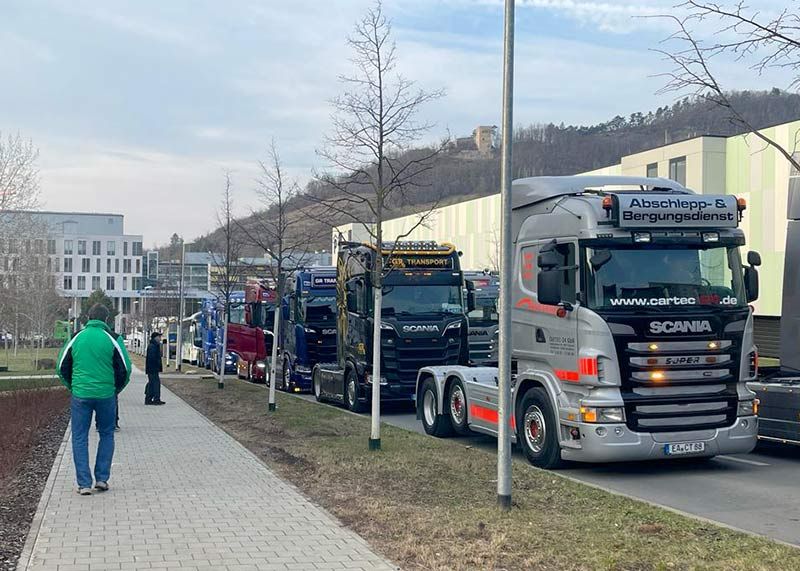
(602, 414)
(748, 407)
(368, 379)
(261, 365)
(308, 330)
(302, 370)
(454, 325)
(386, 326)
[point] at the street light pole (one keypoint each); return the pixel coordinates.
(506, 246)
(181, 311)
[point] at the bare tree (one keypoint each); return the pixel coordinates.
(280, 232)
(19, 176)
(230, 271)
(760, 41)
(375, 127)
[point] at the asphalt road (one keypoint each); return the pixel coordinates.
(757, 492)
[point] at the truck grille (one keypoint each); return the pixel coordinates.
(680, 385)
(321, 348)
(480, 352)
(403, 357)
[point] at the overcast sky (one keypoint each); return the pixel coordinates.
(139, 106)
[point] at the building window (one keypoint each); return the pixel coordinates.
(51, 247)
(95, 283)
(137, 248)
(125, 248)
(86, 266)
(67, 247)
(108, 266)
(111, 248)
(98, 266)
(57, 265)
(116, 266)
(652, 170)
(110, 283)
(125, 283)
(49, 264)
(38, 246)
(82, 283)
(126, 266)
(67, 265)
(81, 247)
(677, 170)
(67, 282)
(138, 266)
(96, 245)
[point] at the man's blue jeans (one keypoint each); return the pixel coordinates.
(106, 412)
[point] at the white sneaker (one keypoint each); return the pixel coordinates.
(85, 491)
(101, 486)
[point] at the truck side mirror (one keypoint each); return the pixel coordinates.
(753, 258)
(548, 286)
(751, 283)
(470, 301)
(599, 259)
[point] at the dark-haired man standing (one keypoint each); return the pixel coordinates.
(95, 367)
(152, 368)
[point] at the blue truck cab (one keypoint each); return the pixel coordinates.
(308, 332)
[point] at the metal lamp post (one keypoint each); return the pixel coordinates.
(504, 353)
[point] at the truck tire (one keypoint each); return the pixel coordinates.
(537, 430)
(435, 424)
(316, 385)
(457, 406)
(351, 392)
(287, 374)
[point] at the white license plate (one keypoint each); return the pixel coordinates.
(684, 448)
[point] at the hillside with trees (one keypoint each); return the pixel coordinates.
(552, 149)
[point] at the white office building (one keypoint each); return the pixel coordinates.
(88, 251)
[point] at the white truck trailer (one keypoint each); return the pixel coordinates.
(632, 337)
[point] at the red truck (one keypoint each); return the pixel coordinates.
(249, 331)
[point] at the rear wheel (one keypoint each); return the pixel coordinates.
(457, 405)
(433, 423)
(537, 430)
(316, 383)
(351, 392)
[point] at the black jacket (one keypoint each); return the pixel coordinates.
(153, 361)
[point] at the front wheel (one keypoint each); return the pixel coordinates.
(351, 392)
(287, 375)
(433, 423)
(537, 430)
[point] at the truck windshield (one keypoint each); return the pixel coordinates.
(414, 299)
(316, 308)
(485, 311)
(627, 278)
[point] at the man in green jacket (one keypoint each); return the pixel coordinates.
(95, 367)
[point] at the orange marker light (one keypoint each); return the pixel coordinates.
(607, 203)
(657, 376)
(588, 414)
(713, 345)
(741, 204)
(653, 347)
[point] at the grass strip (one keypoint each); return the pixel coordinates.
(430, 504)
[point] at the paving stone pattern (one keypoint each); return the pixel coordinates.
(184, 495)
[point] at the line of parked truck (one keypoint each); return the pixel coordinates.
(632, 337)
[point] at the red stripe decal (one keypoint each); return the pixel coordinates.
(530, 305)
(571, 376)
(483, 413)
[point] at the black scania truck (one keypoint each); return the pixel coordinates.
(423, 322)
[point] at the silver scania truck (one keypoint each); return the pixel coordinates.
(632, 337)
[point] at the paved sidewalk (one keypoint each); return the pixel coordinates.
(184, 495)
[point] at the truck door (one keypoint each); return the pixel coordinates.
(544, 337)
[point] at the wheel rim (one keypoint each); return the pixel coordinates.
(457, 409)
(317, 388)
(286, 375)
(351, 391)
(535, 429)
(429, 407)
